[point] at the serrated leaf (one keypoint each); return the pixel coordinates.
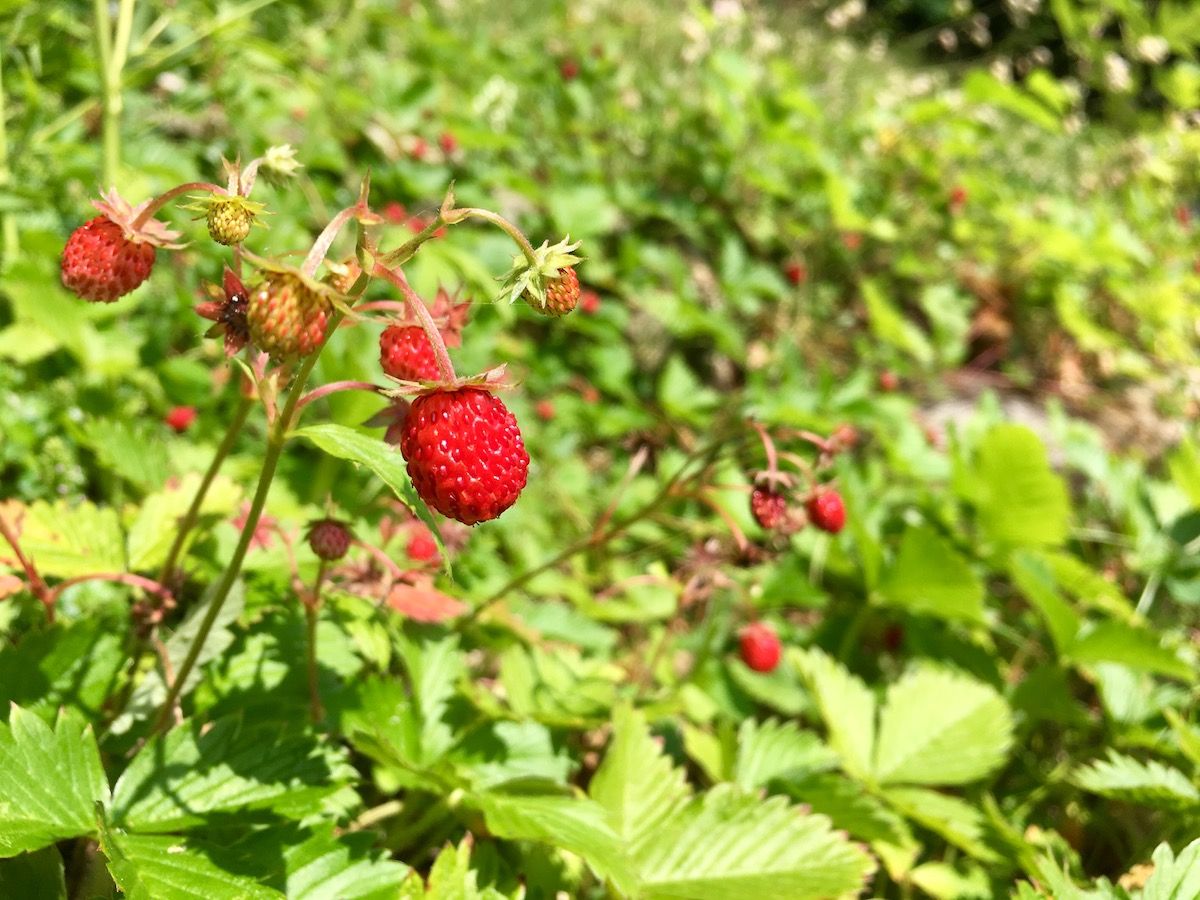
(196, 770)
(130, 450)
(1122, 777)
(1138, 648)
(1020, 500)
(450, 878)
(50, 781)
(636, 783)
(65, 541)
(729, 845)
(929, 576)
(576, 824)
(939, 727)
(849, 807)
(153, 531)
(385, 461)
(346, 868)
(957, 821)
(775, 749)
(151, 867)
(848, 708)
(498, 753)
(75, 665)
(1175, 877)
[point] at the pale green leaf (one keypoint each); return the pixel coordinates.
(450, 878)
(729, 845)
(930, 576)
(1174, 877)
(66, 541)
(959, 822)
(50, 781)
(636, 783)
(1020, 500)
(1122, 777)
(153, 531)
(1138, 648)
(73, 665)
(176, 780)
(939, 727)
(776, 749)
(848, 708)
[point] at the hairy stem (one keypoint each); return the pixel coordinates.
(508, 227)
(334, 387)
(418, 308)
(325, 239)
(275, 445)
(147, 210)
(188, 522)
(36, 584)
(405, 251)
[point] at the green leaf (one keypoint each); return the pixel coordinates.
(382, 459)
(778, 750)
(153, 531)
(50, 781)
(636, 783)
(66, 541)
(450, 878)
(34, 876)
(346, 868)
(939, 727)
(1138, 648)
(195, 770)
(929, 576)
(498, 753)
(74, 665)
(1020, 500)
(729, 845)
(849, 807)
(890, 326)
(150, 867)
(576, 824)
(1035, 579)
(959, 822)
(1174, 877)
(130, 450)
(848, 708)
(1122, 777)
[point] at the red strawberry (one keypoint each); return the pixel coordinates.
(329, 539)
(760, 647)
(1183, 215)
(589, 302)
(422, 547)
(562, 293)
(465, 454)
(395, 213)
(545, 410)
(448, 142)
(888, 381)
(100, 263)
(851, 240)
(958, 198)
(768, 508)
(796, 272)
(180, 418)
(569, 69)
(827, 510)
(405, 353)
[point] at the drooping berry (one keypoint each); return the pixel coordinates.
(329, 539)
(288, 316)
(465, 454)
(100, 264)
(405, 353)
(760, 647)
(827, 510)
(768, 508)
(562, 293)
(180, 418)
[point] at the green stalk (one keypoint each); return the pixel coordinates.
(193, 513)
(8, 229)
(275, 445)
(110, 111)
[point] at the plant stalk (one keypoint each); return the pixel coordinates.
(418, 308)
(498, 220)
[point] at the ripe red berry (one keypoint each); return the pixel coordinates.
(796, 272)
(1183, 215)
(180, 418)
(851, 240)
(465, 454)
(448, 142)
(827, 510)
(329, 539)
(958, 198)
(405, 353)
(768, 508)
(569, 69)
(545, 410)
(418, 148)
(99, 263)
(760, 647)
(395, 212)
(422, 547)
(589, 302)
(888, 381)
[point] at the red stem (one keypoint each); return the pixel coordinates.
(152, 206)
(36, 584)
(325, 239)
(419, 310)
(333, 387)
(147, 584)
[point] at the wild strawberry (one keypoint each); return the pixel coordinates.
(405, 353)
(768, 508)
(180, 418)
(851, 240)
(958, 198)
(844, 437)
(568, 69)
(229, 220)
(548, 282)
(448, 142)
(288, 315)
(827, 510)
(562, 293)
(465, 454)
(395, 212)
(796, 272)
(422, 547)
(418, 148)
(112, 254)
(545, 410)
(888, 381)
(589, 302)
(329, 539)
(760, 647)
(1183, 215)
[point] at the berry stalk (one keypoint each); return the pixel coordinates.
(471, 212)
(418, 308)
(320, 248)
(147, 211)
(193, 512)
